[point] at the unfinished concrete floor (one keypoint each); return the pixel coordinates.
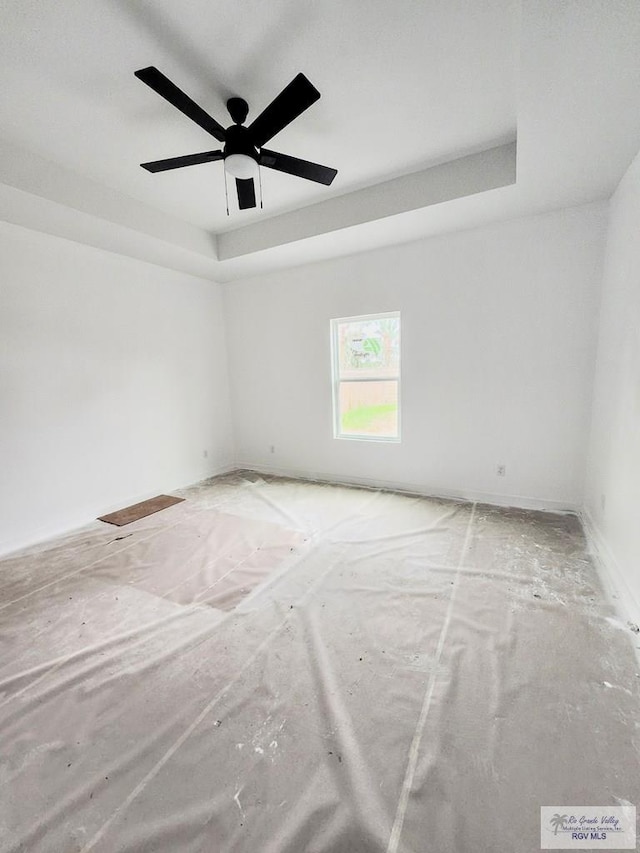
(284, 667)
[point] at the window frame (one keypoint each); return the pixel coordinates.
(335, 377)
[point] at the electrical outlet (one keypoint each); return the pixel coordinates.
(501, 470)
(205, 454)
(272, 448)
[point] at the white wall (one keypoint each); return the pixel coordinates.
(613, 479)
(499, 330)
(113, 383)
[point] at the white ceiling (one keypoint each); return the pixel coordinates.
(404, 85)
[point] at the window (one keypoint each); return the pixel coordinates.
(365, 354)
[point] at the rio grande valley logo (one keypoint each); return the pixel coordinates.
(588, 827)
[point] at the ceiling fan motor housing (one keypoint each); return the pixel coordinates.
(238, 141)
(238, 109)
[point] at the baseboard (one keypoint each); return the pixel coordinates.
(494, 499)
(83, 519)
(611, 575)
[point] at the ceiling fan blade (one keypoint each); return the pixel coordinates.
(170, 92)
(288, 105)
(246, 193)
(179, 162)
(300, 168)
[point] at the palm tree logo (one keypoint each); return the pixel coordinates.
(558, 821)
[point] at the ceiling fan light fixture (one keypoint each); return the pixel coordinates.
(240, 166)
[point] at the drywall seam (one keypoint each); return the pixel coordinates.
(495, 499)
(609, 570)
(75, 522)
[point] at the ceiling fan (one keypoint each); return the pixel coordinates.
(243, 150)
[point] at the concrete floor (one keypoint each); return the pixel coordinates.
(275, 666)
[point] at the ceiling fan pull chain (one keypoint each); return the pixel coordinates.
(260, 184)
(226, 191)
